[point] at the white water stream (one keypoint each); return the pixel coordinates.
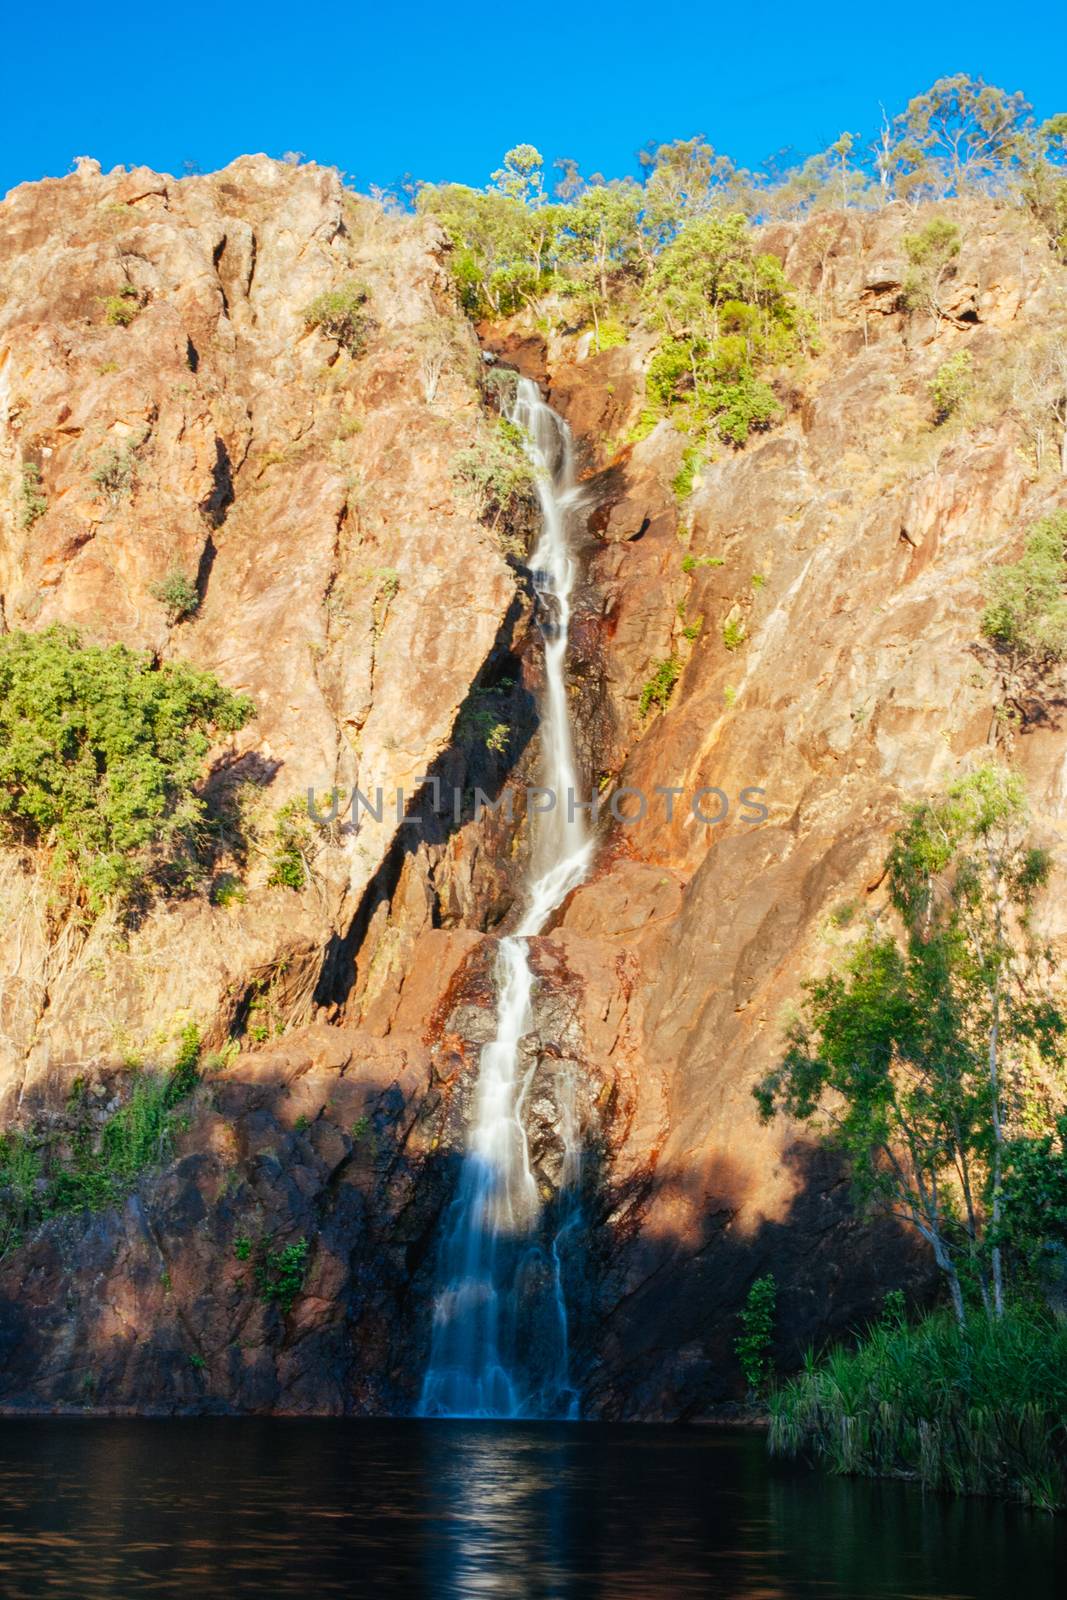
(492, 1265)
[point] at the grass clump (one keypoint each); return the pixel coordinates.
(123, 308)
(608, 334)
(976, 1409)
(292, 845)
(734, 633)
(685, 479)
(101, 1163)
(657, 690)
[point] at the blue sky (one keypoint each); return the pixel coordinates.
(441, 91)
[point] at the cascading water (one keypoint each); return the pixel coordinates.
(501, 1289)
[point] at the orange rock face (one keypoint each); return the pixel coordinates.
(344, 585)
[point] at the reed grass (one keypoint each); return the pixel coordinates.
(975, 1410)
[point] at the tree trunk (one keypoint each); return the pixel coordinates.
(998, 1127)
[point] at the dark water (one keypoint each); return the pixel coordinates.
(232, 1508)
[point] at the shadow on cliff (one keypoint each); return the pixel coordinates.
(660, 1341)
(182, 1298)
(492, 734)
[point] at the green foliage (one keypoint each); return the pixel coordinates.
(178, 595)
(951, 385)
(753, 1344)
(913, 1060)
(100, 755)
(522, 175)
(691, 563)
(498, 245)
(658, 689)
(123, 308)
(932, 254)
(280, 1275)
(727, 312)
(495, 473)
(293, 837)
(961, 132)
(609, 334)
(1044, 188)
(361, 1127)
(33, 503)
(972, 1409)
(340, 314)
(228, 890)
(103, 1163)
(1034, 1215)
(185, 1073)
(734, 633)
(692, 461)
(115, 470)
(242, 1247)
(1026, 614)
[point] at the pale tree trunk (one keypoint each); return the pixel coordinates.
(998, 1140)
(945, 1262)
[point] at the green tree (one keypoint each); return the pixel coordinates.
(684, 179)
(1044, 187)
(495, 239)
(932, 255)
(600, 238)
(522, 175)
(959, 133)
(1026, 613)
(101, 752)
(728, 312)
(912, 1060)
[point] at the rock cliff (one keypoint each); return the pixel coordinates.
(345, 584)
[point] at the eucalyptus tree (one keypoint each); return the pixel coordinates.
(913, 1060)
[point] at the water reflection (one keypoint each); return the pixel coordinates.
(443, 1509)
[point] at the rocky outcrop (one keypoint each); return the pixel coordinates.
(158, 373)
(370, 616)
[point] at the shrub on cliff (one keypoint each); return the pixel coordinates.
(33, 503)
(495, 472)
(1027, 610)
(951, 386)
(178, 595)
(100, 755)
(339, 314)
(932, 255)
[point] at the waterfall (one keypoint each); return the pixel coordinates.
(500, 1337)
